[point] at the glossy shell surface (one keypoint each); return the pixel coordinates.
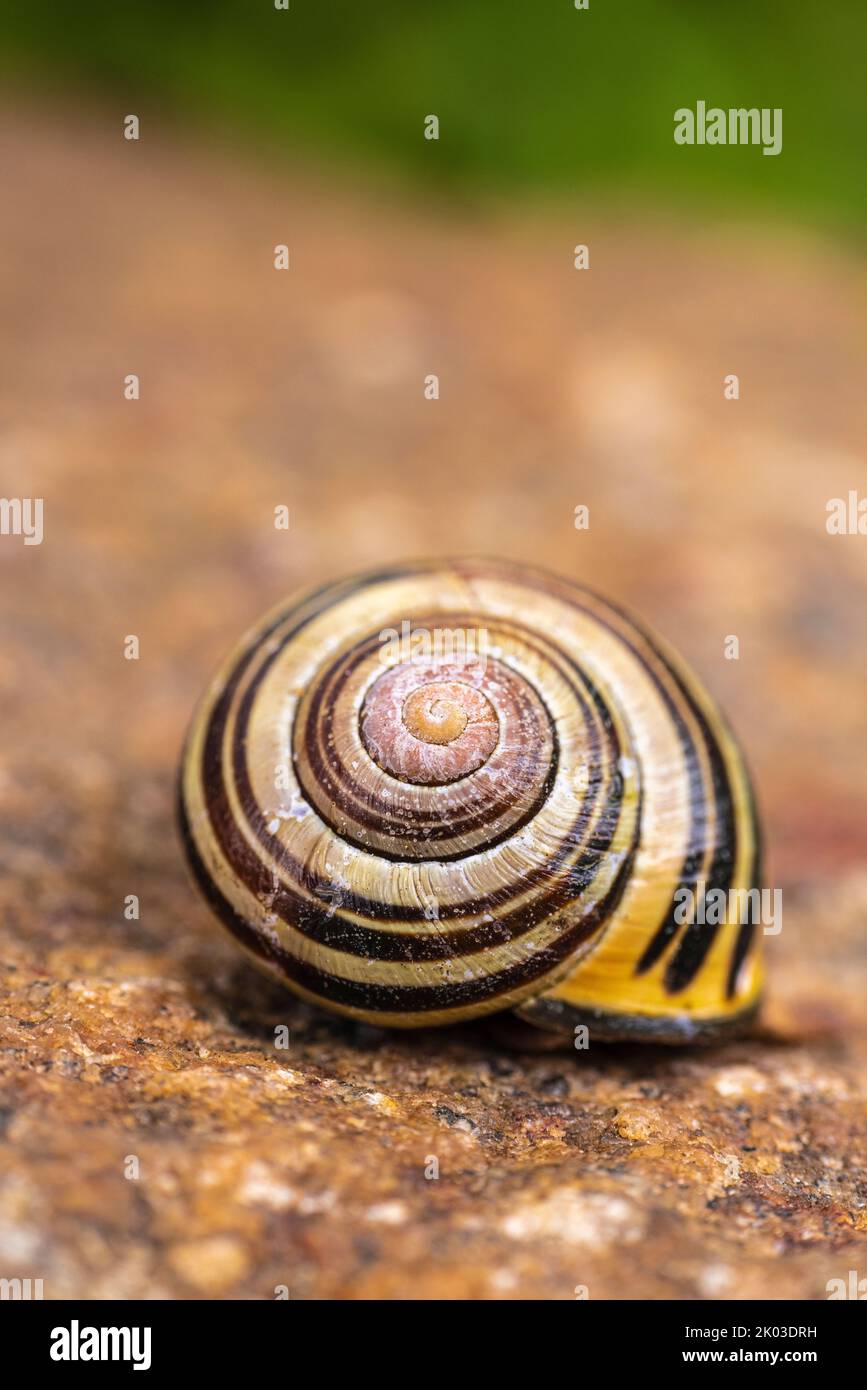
(441, 790)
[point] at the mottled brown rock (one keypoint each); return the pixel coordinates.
(730, 1172)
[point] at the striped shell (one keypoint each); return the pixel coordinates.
(442, 790)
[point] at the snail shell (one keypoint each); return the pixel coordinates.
(442, 790)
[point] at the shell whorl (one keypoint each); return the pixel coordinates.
(410, 834)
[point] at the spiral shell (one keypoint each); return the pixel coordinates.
(442, 790)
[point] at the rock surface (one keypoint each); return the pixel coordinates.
(155, 1141)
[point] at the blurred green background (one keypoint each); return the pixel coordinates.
(533, 98)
